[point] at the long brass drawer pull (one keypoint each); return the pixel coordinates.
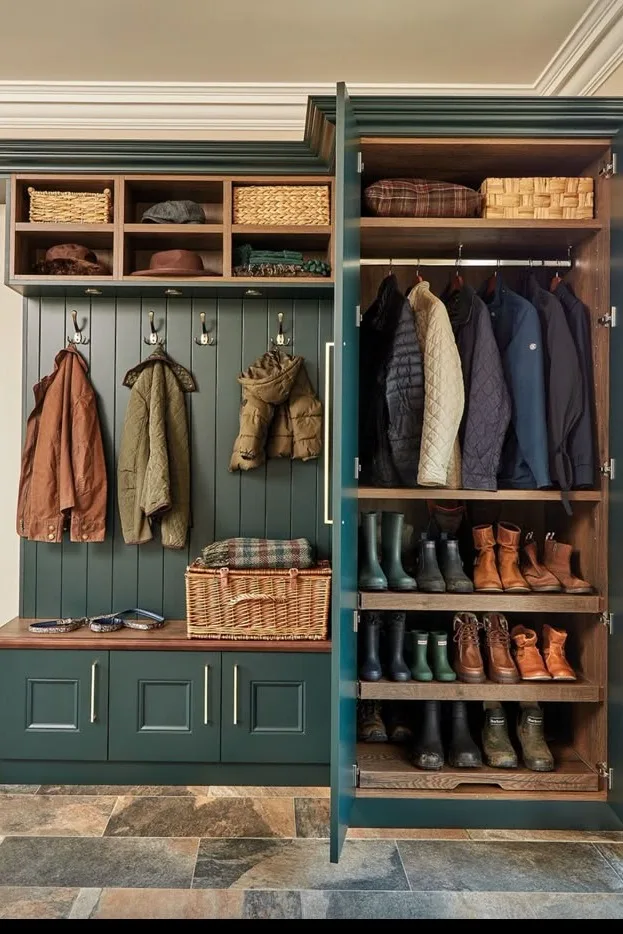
(328, 347)
(206, 675)
(93, 676)
(235, 695)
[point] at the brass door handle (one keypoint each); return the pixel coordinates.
(235, 695)
(206, 675)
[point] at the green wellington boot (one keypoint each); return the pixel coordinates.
(418, 655)
(371, 575)
(534, 749)
(496, 745)
(438, 644)
(391, 552)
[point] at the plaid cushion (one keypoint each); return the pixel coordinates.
(258, 553)
(417, 197)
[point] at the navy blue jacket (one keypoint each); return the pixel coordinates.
(518, 334)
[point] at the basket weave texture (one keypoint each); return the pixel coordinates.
(281, 205)
(70, 207)
(222, 603)
(550, 198)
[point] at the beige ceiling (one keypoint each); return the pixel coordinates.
(384, 41)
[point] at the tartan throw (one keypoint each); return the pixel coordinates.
(417, 197)
(271, 553)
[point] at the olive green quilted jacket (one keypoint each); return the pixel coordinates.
(153, 473)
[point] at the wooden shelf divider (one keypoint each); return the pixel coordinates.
(580, 691)
(481, 602)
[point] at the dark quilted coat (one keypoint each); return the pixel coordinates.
(391, 401)
(487, 400)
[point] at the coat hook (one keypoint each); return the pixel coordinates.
(153, 332)
(77, 338)
(205, 336)
(281, 340)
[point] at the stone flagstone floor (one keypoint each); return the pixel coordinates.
(111, 851)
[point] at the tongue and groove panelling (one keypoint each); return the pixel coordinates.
(281, 500)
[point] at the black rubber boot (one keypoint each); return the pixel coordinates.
(427, 751)
(428, 576)
(370, 637)
(463, 752)
(396, 669)
(371, 575)
(397, 718)
(451, 565)
(391, 548)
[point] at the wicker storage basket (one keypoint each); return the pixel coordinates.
(538, 198)
(70, 207)
(223, 603)
(281, 205)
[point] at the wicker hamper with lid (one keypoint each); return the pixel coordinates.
(226, 603)
(547, 198)
(282, 205)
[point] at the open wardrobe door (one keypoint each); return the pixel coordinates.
(343, 408)
(615, 493)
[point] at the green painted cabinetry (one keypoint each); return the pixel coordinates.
(165, 706)
(54, 705)
(276, 707)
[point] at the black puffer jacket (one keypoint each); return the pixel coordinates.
(391, 400)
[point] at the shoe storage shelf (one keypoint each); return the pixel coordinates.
(126, 245)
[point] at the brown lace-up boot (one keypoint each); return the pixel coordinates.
(554, 654)
(467, 658)
(557, 559)
(486, 577)
(527, 656)
(508, 558)
(536, 574)
(500, 666)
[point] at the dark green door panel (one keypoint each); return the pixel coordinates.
(344, 484)
(53, 704)
(615, 518)
(275, 707)
(165, 706)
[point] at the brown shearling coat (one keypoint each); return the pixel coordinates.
(280, 415)
(63, 474)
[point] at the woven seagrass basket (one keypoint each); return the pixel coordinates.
(538, 198)
(282, 205)
(70, 207)
(224, 603)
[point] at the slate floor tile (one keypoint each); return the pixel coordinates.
(59, 816)
(312, 817)
(298, 864)
(444, 865)
(405, 833)
(18, 789)
(138, 790)
(168, 903)
(545, 836)
(267, 791)
(202, 817)
(92, 862)
(614, 854)
(273, 905)
(35, 902)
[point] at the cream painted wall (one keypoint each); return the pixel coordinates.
(10, 433)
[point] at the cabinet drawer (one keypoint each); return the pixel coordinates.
(276, 707)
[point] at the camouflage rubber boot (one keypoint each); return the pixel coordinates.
(496, 745)
(370, 726)
(535, 751)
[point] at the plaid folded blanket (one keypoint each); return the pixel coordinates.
(417, 197)
(258, 553)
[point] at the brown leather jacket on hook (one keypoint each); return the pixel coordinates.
(63, 476)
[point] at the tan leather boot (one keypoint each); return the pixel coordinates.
(486, 577)
(467, 658)
(554, 654)
(508, 558)
(536, 574)
(500, 666)
(557, 559)
(528, 658)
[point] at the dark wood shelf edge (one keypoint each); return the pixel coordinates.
(580, 691)
(475, 223)
(480, 603)
(400, 493)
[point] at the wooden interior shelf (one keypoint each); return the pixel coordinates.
(481, 602)
(580, 691)
(404, 493)
(383, 766)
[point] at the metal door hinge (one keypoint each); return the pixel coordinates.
(357, 468)
(607, 620)
(355, 621)
(610, 168)
(356, 775)
(358, 315)
(359, 163)
(608, 469)
(609, 320)
(604, 772)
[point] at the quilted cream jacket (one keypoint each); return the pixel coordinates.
(444, 395)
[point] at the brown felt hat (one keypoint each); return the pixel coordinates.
(173, 263)
(71, 259)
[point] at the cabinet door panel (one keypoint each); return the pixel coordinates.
(275, 707)
(53, 704)
(165, 706)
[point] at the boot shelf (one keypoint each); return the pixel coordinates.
(383, 766)
(404, 493)
(580, 691)
(481, 602)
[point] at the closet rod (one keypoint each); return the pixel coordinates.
(553, 263)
